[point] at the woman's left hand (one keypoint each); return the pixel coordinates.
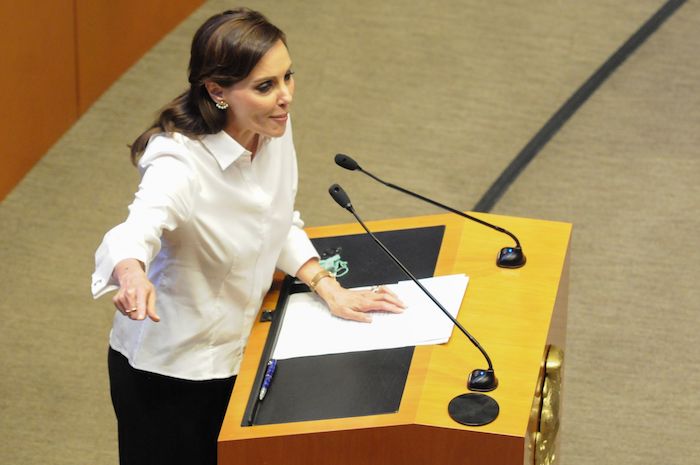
(355, 305)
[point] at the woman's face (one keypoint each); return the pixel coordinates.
(259, 104)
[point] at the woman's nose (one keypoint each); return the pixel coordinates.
(285, 97)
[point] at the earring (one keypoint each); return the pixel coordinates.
(221, 105)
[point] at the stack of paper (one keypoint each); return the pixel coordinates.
(310, 329)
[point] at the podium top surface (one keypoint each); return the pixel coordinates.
(508, 310)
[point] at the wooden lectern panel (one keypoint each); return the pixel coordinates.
(514, 313)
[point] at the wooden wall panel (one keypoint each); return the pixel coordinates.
(57, 59)
(38, 82)
(112, 36)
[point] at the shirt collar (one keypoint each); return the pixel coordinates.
(224, 148)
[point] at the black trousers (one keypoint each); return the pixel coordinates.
(164, 420)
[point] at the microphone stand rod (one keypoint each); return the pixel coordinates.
(413, 278)
(438, 204)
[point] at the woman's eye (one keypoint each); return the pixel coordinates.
(264, 87)
(267, 86)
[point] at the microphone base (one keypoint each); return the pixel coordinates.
(473, 409)
(482, 380)
(511, 257)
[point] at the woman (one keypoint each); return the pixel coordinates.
(212, 219)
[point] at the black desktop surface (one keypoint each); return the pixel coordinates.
(349, 384)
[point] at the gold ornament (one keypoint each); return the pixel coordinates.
(546, 435)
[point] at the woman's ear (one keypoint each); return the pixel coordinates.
(216, 92)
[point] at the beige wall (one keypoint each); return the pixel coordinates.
(57, 59)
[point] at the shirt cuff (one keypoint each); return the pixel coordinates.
(106, 258)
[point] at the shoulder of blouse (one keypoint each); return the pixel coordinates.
(164, 145)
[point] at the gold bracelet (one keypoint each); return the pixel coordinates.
(318, 277)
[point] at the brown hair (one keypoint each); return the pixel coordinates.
(225, 49)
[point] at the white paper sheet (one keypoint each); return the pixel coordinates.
(309, 328)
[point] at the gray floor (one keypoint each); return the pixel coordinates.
(438, 97)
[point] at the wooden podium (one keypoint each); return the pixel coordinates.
(516, 314)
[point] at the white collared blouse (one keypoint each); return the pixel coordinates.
(211, 224)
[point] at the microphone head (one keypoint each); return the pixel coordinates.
(511, 257)
(340, 196)
(346, 162)
(482, 380)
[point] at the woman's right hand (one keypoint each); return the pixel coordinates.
(136, 297)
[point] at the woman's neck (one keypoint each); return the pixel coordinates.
(248, 139)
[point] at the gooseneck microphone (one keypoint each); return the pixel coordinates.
(479, 380)
(473, 409)
(508, 257)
